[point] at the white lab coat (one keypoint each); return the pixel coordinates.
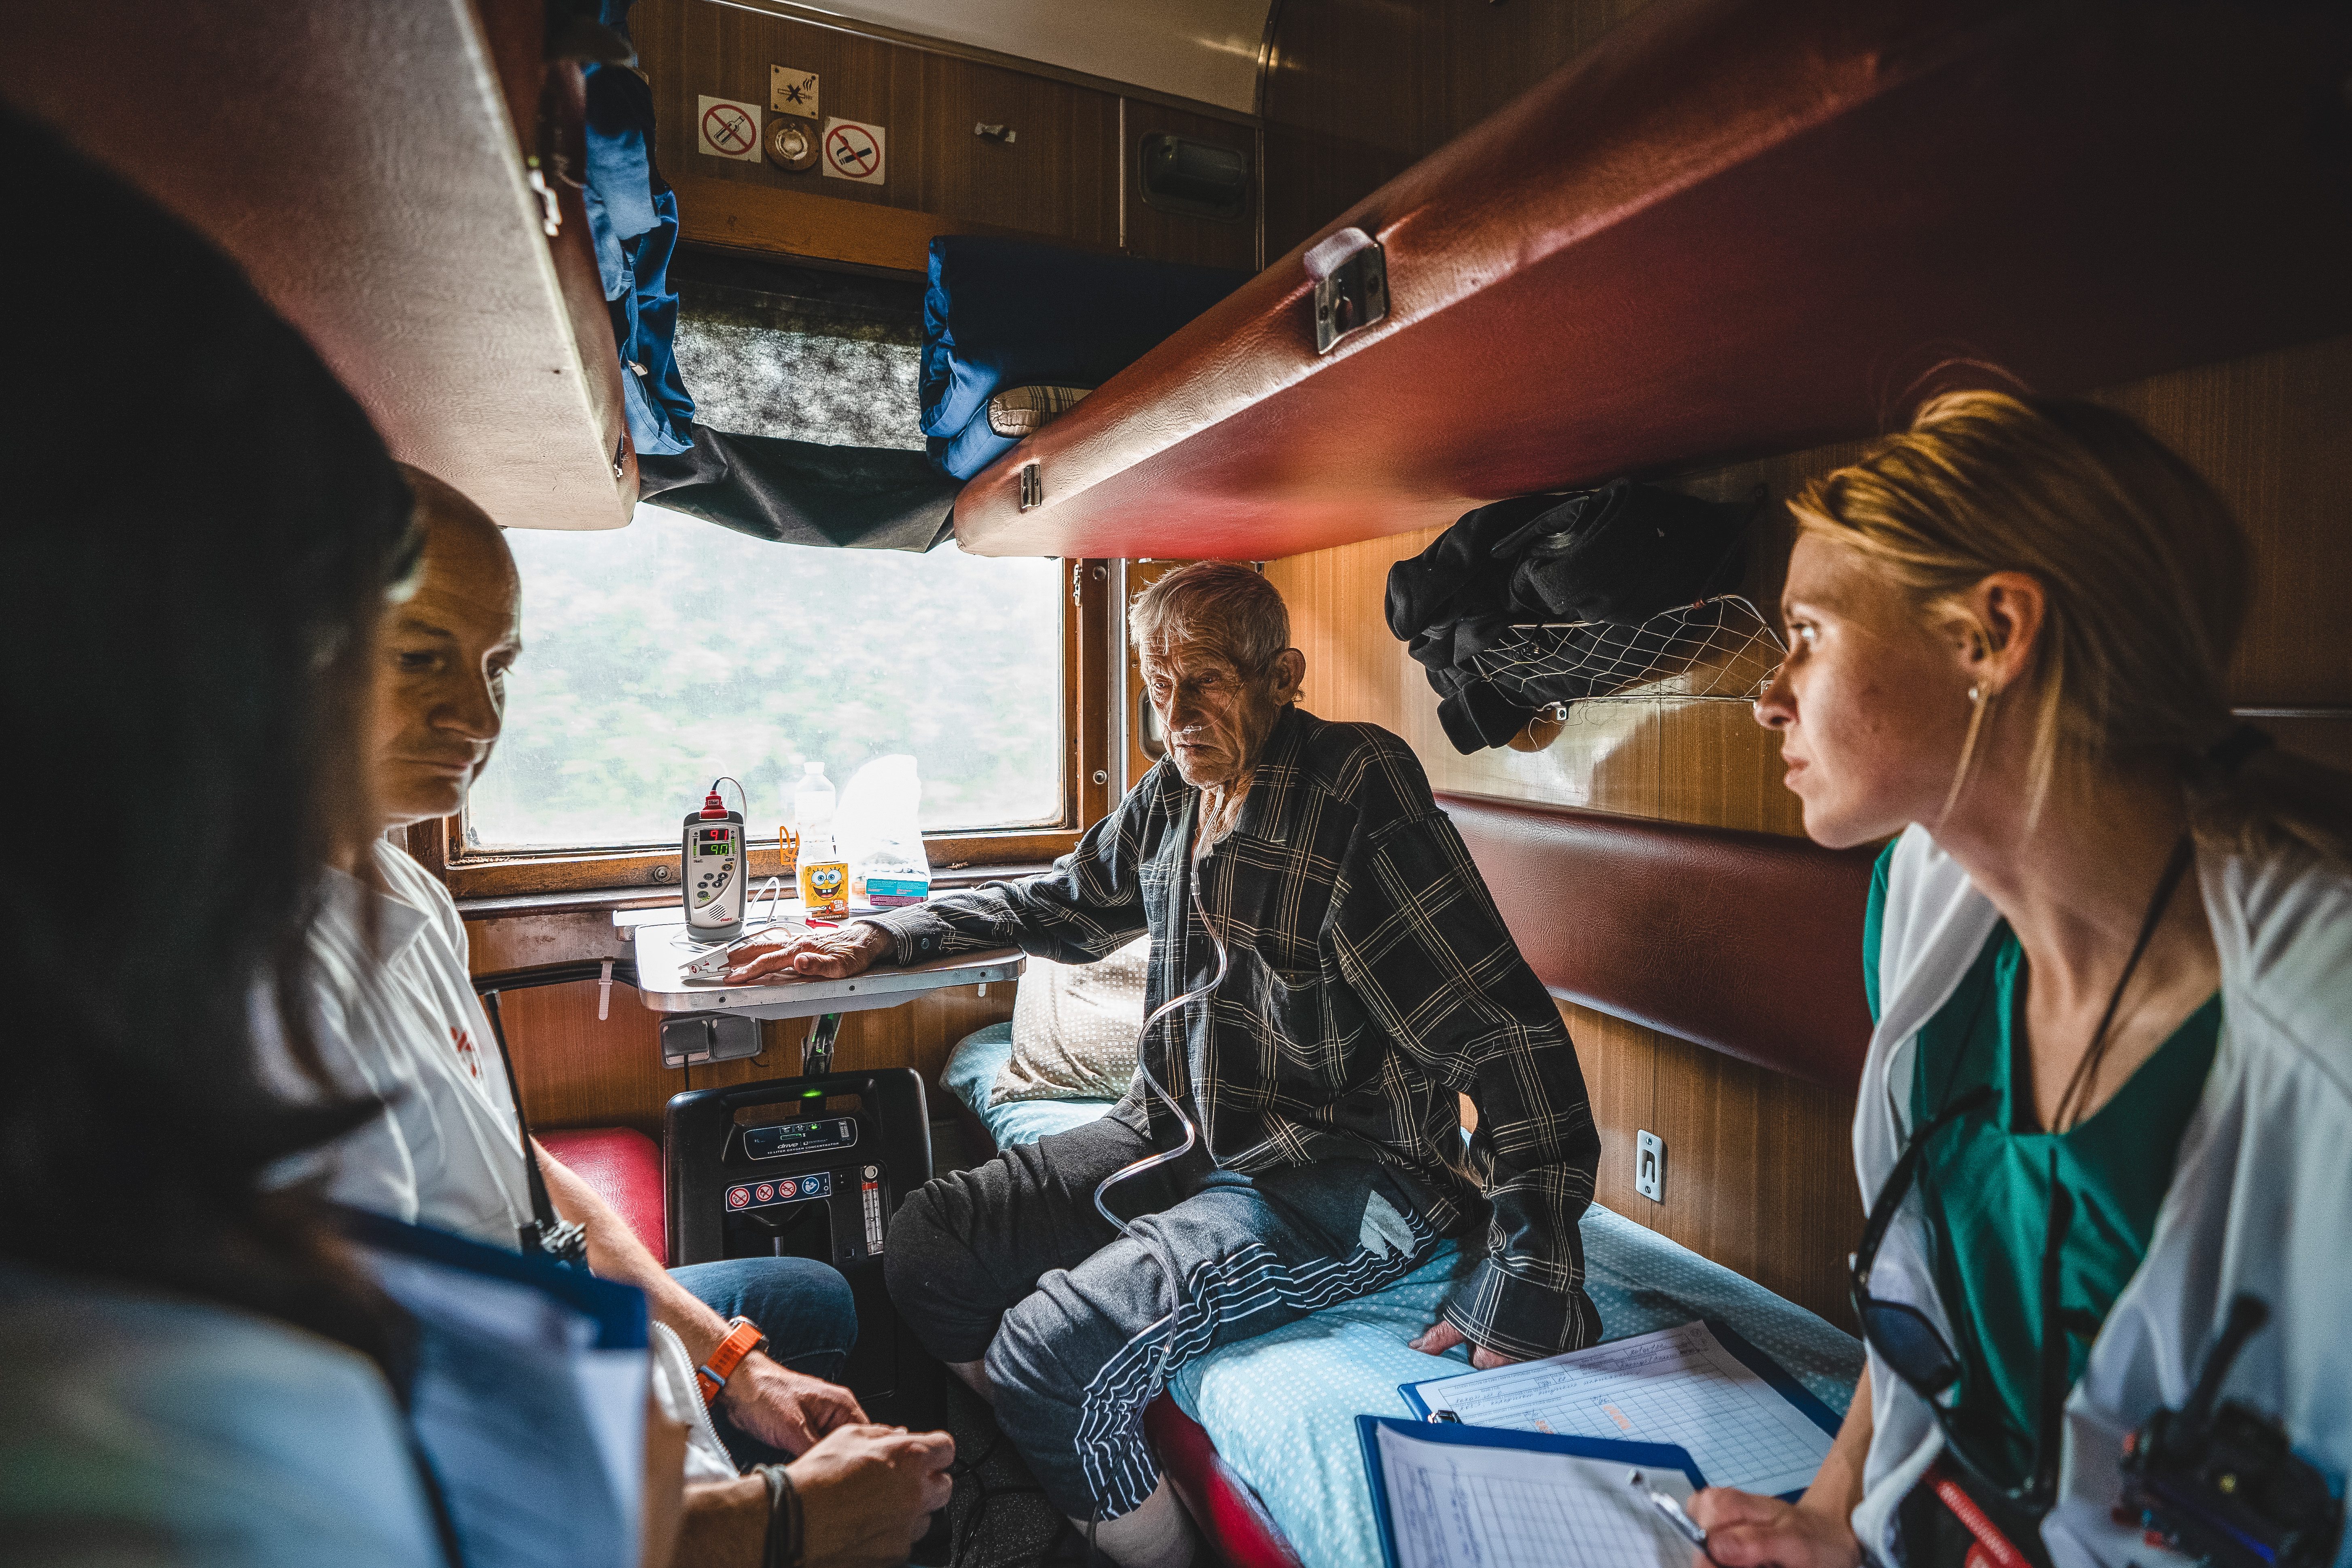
(2261, 1199)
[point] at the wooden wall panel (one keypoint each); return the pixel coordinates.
(1178, 237)
(1057, 179)
(1360, 90)
(1069, 175)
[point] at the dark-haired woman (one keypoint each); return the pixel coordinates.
(201, 527)
(2110, 955)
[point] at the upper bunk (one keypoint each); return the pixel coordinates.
(393, 180)
(1733, 226)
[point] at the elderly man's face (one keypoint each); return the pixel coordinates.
(440, 694)
(1215, 718)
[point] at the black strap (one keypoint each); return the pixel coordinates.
(543, 1221)
(545, 1233)
(2086, 1070)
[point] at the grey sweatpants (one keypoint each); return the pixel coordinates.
(1010, 1263)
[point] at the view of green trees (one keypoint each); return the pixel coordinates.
(660, 654)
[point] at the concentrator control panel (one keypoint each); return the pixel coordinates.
(780, 1140)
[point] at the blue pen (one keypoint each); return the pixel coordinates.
(1682, 1522)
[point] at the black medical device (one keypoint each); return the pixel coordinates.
(810, 1167)
(2225, 1485)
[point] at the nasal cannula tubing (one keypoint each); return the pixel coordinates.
(1191, 1133)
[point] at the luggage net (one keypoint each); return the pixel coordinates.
(1719, 649)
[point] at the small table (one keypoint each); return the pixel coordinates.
(662, 948)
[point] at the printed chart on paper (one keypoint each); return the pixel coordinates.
(1452, 1506)
(1676, 1385)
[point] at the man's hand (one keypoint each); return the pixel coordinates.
(1442, 1336)
(867, 1494)
(784, 1408)
(1744, 1530)
(826, 955)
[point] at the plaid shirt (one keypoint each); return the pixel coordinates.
(1372, 981)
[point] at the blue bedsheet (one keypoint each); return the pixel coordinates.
(1281, 1407)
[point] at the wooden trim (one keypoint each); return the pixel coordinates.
(632, 870)
(769, 220)
(924, 42)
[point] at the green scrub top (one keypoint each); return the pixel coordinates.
(1986, 1188)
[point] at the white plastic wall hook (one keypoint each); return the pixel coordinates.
(605, 993)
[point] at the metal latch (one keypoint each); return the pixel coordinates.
(1032, 487)
(1351, 285)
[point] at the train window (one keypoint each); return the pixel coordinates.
(662, 654)
(666, 653)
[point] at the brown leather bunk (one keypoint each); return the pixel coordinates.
(368, 166)
(1734, 226)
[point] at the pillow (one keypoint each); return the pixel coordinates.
(1073, 1028)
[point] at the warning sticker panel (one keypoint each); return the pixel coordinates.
(726, 128)
(853, 150)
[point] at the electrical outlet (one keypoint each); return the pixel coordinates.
(1649, 1166)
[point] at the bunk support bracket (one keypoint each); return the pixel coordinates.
(1351, 285)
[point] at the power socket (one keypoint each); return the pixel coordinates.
(1649, 1166)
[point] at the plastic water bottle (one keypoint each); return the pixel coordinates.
(823, 876)
(812, 807)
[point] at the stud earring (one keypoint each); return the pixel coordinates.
(1974, 695)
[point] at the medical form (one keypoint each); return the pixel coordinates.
(1681, 1386)
(1451, 1498)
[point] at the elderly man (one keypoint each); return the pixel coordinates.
(1368, 981)
(401, 1025)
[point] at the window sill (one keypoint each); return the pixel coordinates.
(593, 900)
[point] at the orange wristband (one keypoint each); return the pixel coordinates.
(743, 1337)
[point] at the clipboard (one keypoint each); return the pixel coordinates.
(1654, 1458)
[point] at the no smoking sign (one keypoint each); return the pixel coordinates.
(727, 129)
(853, 150)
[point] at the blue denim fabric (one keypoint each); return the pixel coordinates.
(633, 221)
(803, 1306)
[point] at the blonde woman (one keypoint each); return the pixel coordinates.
(2110, 955)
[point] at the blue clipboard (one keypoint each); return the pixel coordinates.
(1633, 1456)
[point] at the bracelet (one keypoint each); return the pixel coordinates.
(784, 1546)
(743, 1337)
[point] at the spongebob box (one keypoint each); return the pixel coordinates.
(825, 887)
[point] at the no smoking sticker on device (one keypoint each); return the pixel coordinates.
(851, 151)
(726, 128)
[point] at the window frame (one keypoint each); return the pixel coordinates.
(1087, 664)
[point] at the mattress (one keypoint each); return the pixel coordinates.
(1281, 1407)
(1000, 313)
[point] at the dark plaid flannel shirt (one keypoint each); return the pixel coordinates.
(1372, 981)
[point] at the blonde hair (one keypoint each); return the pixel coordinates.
(1228, 608)
(2147, 580)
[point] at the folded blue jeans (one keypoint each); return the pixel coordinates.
(803, 1306)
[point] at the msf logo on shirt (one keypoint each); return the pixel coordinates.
(467, 1054)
